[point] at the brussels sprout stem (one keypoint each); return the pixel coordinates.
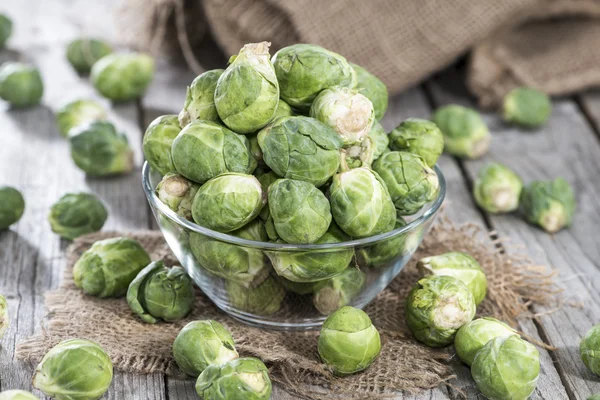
(480, 147)
(343, 161)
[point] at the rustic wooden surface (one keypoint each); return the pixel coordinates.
(35, 159)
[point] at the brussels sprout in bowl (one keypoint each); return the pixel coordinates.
(275, 302)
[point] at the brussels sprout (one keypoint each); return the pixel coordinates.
(161, 293)
(74, 369)
(178, 194)
(283, 110)
(5, 29)
(4, 319)
(99, 150)
(264, 299)
(345, 110)
(472, 336)
(334, 293)
(298, 287)
(205, 149)
(107, 268)
(361, 204)
(228, 202)
(359, 155)
(497, 188)
(304, 70)
(506, 368)
(266, 179)
(465, 133)
(83, 53)
(243, 265)
(158, 141)
(379, 139)
(247, 92)
(382, 253)
(348, 341)
(372, 87)
(122, 77)
(301, 148)
(436, 308)
(420, 137)
(460, 266)
(527, 107)
(409, 180)
(256, 151)
(589, 349)
(200, 98)
(12, 206)
(548, 204)
(241, 379)
(311, 266)
(203, 343)
(79, 112)
(17, 394)
(76, 214)
(300, 211)
(270, 228)
(20, 84)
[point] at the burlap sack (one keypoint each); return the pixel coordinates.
(292, 358)
(553, 45)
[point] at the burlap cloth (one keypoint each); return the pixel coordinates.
(553, 45)
(292, 358)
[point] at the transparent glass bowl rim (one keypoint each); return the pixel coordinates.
(428, 213)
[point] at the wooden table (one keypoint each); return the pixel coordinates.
(35, 159)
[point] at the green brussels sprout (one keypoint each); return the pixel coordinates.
(205, 149)
(460, 266)
(203, 343)
(264, 299)
(548, 204)
(527, 107)
(161, 293)
(465, 133)
(122, 77)
(382, 253)
(409, 180)
(311, 266)
(359, 155)
(21, 84)
(4, 319)
(472, 336)
(379, 139)
(74, 369)
(304, 70)
(420, 137)
(5, 29)
(82, 54)
(506, 368)
(228, 202)
(283, 110)
(241, 379)
(436, 308)
(497, 188)
(256, 151)
(79, 112)
(200, 98)
(178, 194)
(301, 148)
(107, 268)
(76, 214)
(300, 211)
(247, 93)
(270, 228)
(361, 204)
(239, 264)
(589, 349)
(12, 206)
(158, 141)
(372, 87)
(348, 341)
(348, 112)
(334, 293)
(266, 179)
(99, 150)
(17, 394)
(298, 287)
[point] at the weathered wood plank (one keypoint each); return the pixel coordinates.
(565, 147)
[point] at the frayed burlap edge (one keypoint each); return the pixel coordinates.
(404, 365)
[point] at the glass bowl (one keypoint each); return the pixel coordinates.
(267, 300)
